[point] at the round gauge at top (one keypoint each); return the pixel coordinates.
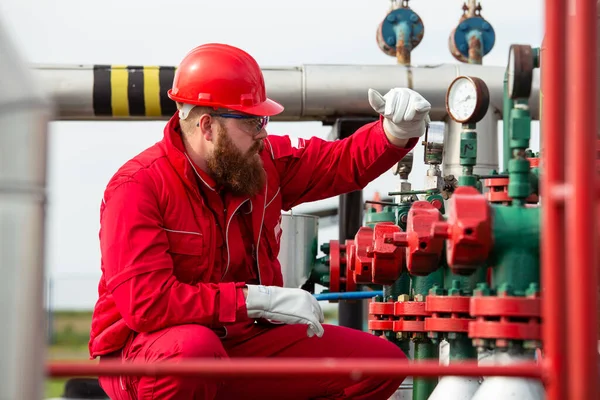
(467, 99)
(520, 71)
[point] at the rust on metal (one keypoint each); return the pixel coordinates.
(475, 50)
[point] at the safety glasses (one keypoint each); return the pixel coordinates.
(255, 122)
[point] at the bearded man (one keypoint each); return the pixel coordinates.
(190, 232)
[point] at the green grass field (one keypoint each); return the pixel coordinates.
(71, 332)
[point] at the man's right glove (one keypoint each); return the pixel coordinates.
(287, 305)
(405, 112)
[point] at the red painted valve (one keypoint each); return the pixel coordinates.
(362, 263)
(387, 259)
(468, 230)
(423, 251)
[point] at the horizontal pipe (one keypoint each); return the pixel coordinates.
(308, 92)
(289, 367)
(348, 295)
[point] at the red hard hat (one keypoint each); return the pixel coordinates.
(223, 76)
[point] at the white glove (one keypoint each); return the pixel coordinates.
(406, 112)
(290, 306)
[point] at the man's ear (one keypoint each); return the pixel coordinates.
(205, 125)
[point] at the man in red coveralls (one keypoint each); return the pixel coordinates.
(190, 233)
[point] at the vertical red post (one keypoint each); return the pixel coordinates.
(553, 71)
(581, 206)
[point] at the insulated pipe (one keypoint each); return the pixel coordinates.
(581, 207)
(308, 92)
(24, 116)
(501, 387)
(553, 259)
(288, 367)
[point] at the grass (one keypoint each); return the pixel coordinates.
(70, 335)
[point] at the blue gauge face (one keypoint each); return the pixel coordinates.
(462, 99)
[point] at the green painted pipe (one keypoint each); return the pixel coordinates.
(516, 252)
(422, 388)
(461, 348)
(424, 347)
(422, 284)
(507, 106)
(391, 292)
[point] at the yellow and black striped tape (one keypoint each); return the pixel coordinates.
(133, 91)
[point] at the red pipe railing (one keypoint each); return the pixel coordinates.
(291, 367)
(581, 208)
(553, 74)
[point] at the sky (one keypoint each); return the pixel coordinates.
(84, 155)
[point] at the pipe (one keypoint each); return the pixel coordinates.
(455, 388)
(487, 144)
(24, 116)
(425, 349)
(508, 104)
(404, 43)
(288, 367)
(308, 92)
(581, 207)
(500, 388)
(348, 295)
(552, 231)
(475, 47)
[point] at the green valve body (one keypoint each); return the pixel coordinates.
(516, 252)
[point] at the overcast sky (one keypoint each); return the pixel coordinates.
(84, 155)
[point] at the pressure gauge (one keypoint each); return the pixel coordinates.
(520, 71)
(467, 100)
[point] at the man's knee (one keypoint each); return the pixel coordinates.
(189, 341)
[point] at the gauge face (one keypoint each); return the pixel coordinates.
(467, 99)
(519, 72)
(510, 73)
(462, 99)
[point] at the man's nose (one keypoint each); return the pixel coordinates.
(261, 135)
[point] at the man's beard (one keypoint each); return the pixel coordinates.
(240, 173)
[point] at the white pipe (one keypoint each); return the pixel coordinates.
(24, 116)
(500, 388)
(455, 388)
(308, 92)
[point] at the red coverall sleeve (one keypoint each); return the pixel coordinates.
(139, 269)
(316, 169)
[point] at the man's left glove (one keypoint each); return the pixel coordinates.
(405, 112)
(287, 305)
